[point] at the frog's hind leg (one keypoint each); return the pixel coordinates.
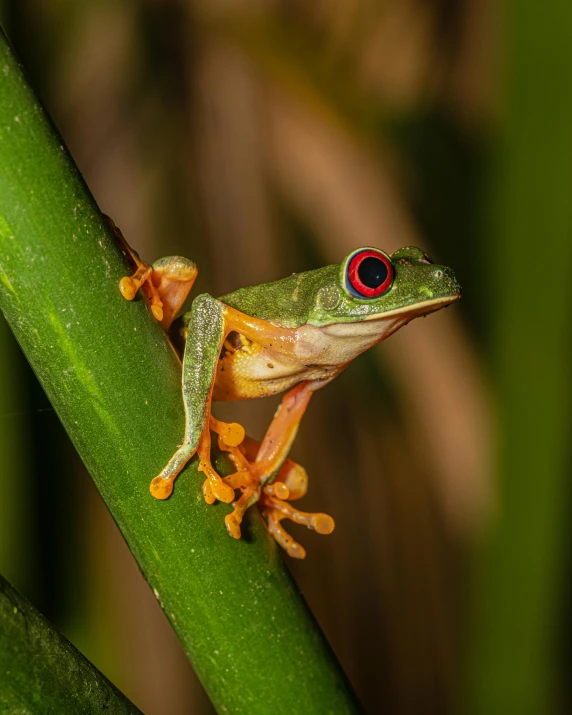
(291, 480)
(274, 510)
(210, 321)
(291, 483)
(165, 284)
(272, 453)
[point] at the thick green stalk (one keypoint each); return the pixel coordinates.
(40, 671)
(524, 569)
(113, 379)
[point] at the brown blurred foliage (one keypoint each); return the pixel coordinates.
(263, 137)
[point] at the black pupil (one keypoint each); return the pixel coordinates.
(372, 272)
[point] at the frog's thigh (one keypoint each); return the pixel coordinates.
(166, 284)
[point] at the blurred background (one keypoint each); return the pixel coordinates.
(263, 137)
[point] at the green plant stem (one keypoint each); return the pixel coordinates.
(523, 569)
(41, 672)
(114, 381)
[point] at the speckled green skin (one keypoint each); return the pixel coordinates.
(319, 298)
(206, 333)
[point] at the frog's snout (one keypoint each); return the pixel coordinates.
(447, 281)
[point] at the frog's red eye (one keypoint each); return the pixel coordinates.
(370, 273)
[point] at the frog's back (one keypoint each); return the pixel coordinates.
(287, 302)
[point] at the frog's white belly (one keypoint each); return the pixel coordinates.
(318, 354)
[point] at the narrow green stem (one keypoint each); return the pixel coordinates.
(114, 381)
(40, 671)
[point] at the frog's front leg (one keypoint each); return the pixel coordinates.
(209, 324)
(165, 284)
(206, 331)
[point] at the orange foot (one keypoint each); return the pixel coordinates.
(274, 510)
(291, 483)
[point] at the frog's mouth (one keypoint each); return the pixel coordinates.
(374, 328)
(416, 310)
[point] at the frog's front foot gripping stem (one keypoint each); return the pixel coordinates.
(230, 435)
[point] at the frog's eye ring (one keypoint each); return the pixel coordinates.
(369, 273)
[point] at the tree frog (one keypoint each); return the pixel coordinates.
(290, 336)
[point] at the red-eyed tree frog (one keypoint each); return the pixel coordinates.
(294, 335)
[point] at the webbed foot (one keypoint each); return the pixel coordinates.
(274, 510)
(129, 285)
(291, 483)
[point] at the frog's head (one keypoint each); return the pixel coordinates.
(372, 286)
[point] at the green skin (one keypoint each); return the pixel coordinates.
(320, 298)
(330, 325)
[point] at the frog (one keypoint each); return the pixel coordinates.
(292, 337)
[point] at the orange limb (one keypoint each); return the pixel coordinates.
(165, 284)
(261, 332)
(214, 487)
(292, 475)
(269, 460)
(272, 452)
(230, 436)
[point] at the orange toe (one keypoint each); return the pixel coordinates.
(161, 488)
(232, 526)
(128, 288)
